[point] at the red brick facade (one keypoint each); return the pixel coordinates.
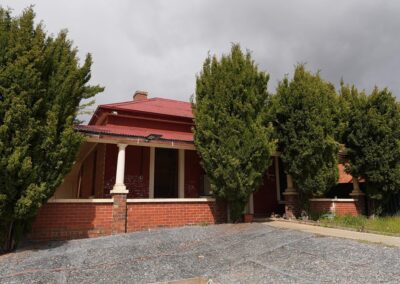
(142, 216)
(339, 206)
(62, 221)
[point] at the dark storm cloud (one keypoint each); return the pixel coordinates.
(159, 46)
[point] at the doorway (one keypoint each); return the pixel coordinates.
(166, 173)
(265, 199)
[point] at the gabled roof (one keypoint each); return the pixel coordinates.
(172, 112)
(155, 106)
(343, 176)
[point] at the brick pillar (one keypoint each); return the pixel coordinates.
(291, 199)
(119, 214)
(119, 194)
(359, 195)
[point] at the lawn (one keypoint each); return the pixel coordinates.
(383, 225)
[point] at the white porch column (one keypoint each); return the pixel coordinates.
(151, 171)
(356, 188)
(181, 173)
(119, 186)
(251, 204)
(290, 188)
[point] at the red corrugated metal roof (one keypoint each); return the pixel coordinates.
(137, 132)
(156, 106)
(343, 176)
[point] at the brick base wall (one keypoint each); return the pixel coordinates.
(142, 216)
(339, 207)
(345, 208)
(64, 221)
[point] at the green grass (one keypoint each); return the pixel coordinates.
(384, 225)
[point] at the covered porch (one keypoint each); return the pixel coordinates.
(141, 170)
(120, 185)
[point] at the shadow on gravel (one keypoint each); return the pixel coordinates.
(38, 245)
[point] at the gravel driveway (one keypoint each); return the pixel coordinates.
(241, 253)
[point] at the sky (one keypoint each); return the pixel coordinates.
(160, 46)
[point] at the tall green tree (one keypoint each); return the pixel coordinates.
(306, 122)
(230, 107)
(41, 87)
(372, 140)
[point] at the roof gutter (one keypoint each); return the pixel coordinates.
(86, 131)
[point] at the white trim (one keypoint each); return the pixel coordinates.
(151, 172)
(181, 173)
(278, 182)
(70, 200)
(334, 199)
(119, 186)
(170, 200)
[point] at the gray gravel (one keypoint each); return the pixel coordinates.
(241, 253)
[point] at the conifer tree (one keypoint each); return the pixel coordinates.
(41, 87)
(306, 120)
(234, 143)
(372, 140)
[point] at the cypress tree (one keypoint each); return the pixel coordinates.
(306, 118)
(230, 134)
(41, 87)
(372, 140)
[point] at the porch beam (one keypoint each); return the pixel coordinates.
(140, 142)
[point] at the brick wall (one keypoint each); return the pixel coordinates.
(345, 208)
(339, 207)
(63, 221)
(143, 216)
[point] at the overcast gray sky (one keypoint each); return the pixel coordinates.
(159, 46)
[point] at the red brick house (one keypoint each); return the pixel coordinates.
(138, 169)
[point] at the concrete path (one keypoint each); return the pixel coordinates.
(331, 232)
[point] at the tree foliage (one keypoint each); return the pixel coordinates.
(230, 134)
(372, 140)
(306, 123)
(41, 87)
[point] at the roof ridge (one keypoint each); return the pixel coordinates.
(142, 101)
(128, 102)
(172, 100)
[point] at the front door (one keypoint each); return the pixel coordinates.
(166, 173)
(265, 200)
